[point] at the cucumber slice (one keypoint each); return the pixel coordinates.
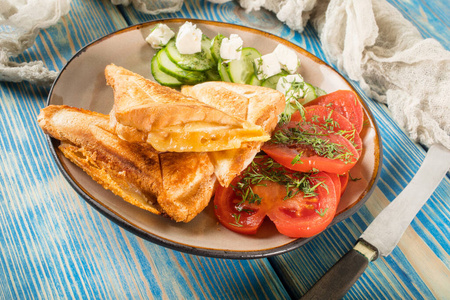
(319, 91)
(222, 68)
(169, 67)
(310, 93)
(200, 61)
(212, 75)
(161, 77)
(254, 80)
(215, 47)
(241, 70)
(272, 81)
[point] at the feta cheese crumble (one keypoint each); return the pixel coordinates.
(267, 65)
(160, 36)
(230, 48)
(288, 58)
(189, 39)
(291, 86)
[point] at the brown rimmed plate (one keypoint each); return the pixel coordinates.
(82, 84)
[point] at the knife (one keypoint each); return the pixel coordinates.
(383, 234)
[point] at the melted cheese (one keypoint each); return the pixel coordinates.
(203, 137)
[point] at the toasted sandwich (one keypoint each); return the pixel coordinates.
(177, 185)
(145, 111)
(255, 104)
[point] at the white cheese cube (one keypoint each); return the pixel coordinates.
(160, 36)
(189, 39)
(287, 57)
(230, 48)
(291, 86)
(266, 66)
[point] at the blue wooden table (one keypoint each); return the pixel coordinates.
(56, 246)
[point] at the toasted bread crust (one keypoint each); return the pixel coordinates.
(215, 94)
(260, 106)
(113, 181)
(189, 183)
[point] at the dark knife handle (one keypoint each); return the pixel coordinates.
(340, 278)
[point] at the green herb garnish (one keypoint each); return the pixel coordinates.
(322, 212)
(313, 138)
(351, 178)
(237, 218)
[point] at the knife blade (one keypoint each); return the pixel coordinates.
(386, 230)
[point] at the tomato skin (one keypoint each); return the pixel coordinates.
(298, 216)
(310, 161)
(337, 184)
(345, 103)
(344, 181)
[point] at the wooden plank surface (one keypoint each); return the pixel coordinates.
(55, 246)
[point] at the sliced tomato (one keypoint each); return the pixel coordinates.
(344, 181)
(344, 102)
(330, 120)
(312, 149)
(337, 184)
(243, 218)
(302, 214)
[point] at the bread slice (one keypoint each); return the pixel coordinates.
(145, 111)
(255, 104)
(134, 171)
(189, 184)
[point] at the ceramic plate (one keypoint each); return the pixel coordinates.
(82, 84)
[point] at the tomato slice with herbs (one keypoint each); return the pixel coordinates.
(302, 216)
(344, 102)
(309, 148)
(330, 120)
(235, 214)
(299, 204)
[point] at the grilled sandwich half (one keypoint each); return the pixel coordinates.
(178, 185)
(168, 120)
